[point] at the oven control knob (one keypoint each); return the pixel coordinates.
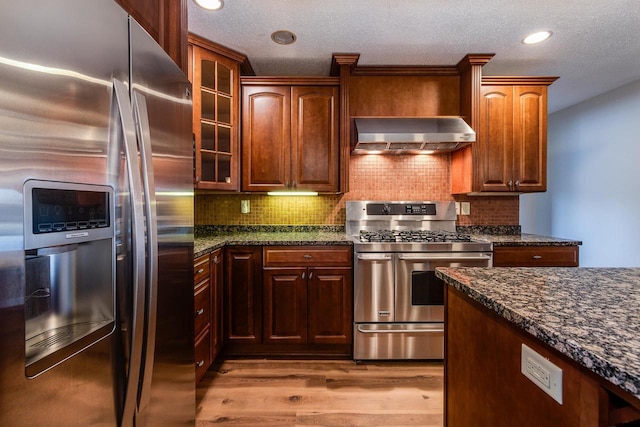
(386, 209)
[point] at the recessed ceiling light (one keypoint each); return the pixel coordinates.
(283, 37)
(538, 37)
(210, 4)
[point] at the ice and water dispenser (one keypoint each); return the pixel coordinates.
(70, 270)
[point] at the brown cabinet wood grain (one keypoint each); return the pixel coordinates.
(166, 22)
(290, 138)
(305, 300)
(243, 295)
(535, 256)
(216, 108)
(510, 153)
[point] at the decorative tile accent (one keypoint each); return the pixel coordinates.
(371, 177)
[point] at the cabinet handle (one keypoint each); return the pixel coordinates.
(200, 363)
(307, 256)
(310, 274)
(303, 275)
(295, 185)
(517, 184)
(201, 270)
(215, 259)
(199, 312)
(286, 184)
(510, 184)
(537, 257)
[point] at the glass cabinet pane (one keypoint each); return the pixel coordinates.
(208, 109)
(208, 172)
(208, 136)
(224, 79)
(208, 71)
(224, 109)
(224, 139)
(224, 168)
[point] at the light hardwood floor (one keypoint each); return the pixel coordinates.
(268, 393)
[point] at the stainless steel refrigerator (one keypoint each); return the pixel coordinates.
(96, 221)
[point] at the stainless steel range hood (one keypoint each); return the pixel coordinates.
(394, 135)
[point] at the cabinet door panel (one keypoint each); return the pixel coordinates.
(285, 306)
(495, 141)
(530, 141)
(330, 305)
(243, 297)
(314, 121)
(266, 140)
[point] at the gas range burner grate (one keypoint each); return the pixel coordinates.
(418, 236)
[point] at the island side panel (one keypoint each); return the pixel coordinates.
(483, 383)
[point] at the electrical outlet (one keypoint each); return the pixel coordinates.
(465, 208)
(245, 207)
(541, 372)
(457, 208)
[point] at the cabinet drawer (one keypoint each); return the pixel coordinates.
(202, 354)
(202, 306)
(535, 256)
(200, 269)
(299, 256)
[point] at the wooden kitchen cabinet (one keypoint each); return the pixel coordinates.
(510, 152)
(207, 296)
(242, 295)
(307, 295)
(216, 106)
(535, 256)
(202, 314)
(290, 134)
(166, 22)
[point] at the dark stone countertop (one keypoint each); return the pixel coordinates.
(209, 243)
(592, 315)
(525, 239)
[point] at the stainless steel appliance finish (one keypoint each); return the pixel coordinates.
(89, 102)
(398, 301)
(397, 135)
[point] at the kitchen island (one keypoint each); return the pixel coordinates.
(585, 321)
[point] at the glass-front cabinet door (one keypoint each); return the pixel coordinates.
(215, 80)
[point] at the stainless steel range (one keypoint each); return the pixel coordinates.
(398, 301)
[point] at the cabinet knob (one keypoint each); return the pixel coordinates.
(537, 257)
(307, 256)
(200, 363)
(199, 312)
(201, 270)
(215, 259)
(510, 184)
(517, 184)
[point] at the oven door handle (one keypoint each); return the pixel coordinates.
(374, 257)
(398, 331)
(443, 258)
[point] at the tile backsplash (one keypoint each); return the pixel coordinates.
(400, 177)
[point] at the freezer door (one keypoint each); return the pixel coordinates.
(162, 106)
(57, 63)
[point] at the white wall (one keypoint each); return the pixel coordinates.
(593, 180)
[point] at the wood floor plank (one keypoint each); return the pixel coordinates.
(304, 393)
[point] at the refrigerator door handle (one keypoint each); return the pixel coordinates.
(121, 95)
(144, 141)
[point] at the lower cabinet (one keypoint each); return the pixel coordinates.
(207, 295)
(300, 303)
(535, 256)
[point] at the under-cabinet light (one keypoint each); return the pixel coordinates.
(292, 193)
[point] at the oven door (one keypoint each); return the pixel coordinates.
(419, 293)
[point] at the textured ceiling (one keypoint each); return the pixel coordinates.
(595, 45)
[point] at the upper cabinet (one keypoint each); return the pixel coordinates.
(166, 22)
(214, 72)
(510, 153)
(290, 134)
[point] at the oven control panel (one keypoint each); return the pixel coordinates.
(401, 209)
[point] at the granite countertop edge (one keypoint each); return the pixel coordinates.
(603, 367)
